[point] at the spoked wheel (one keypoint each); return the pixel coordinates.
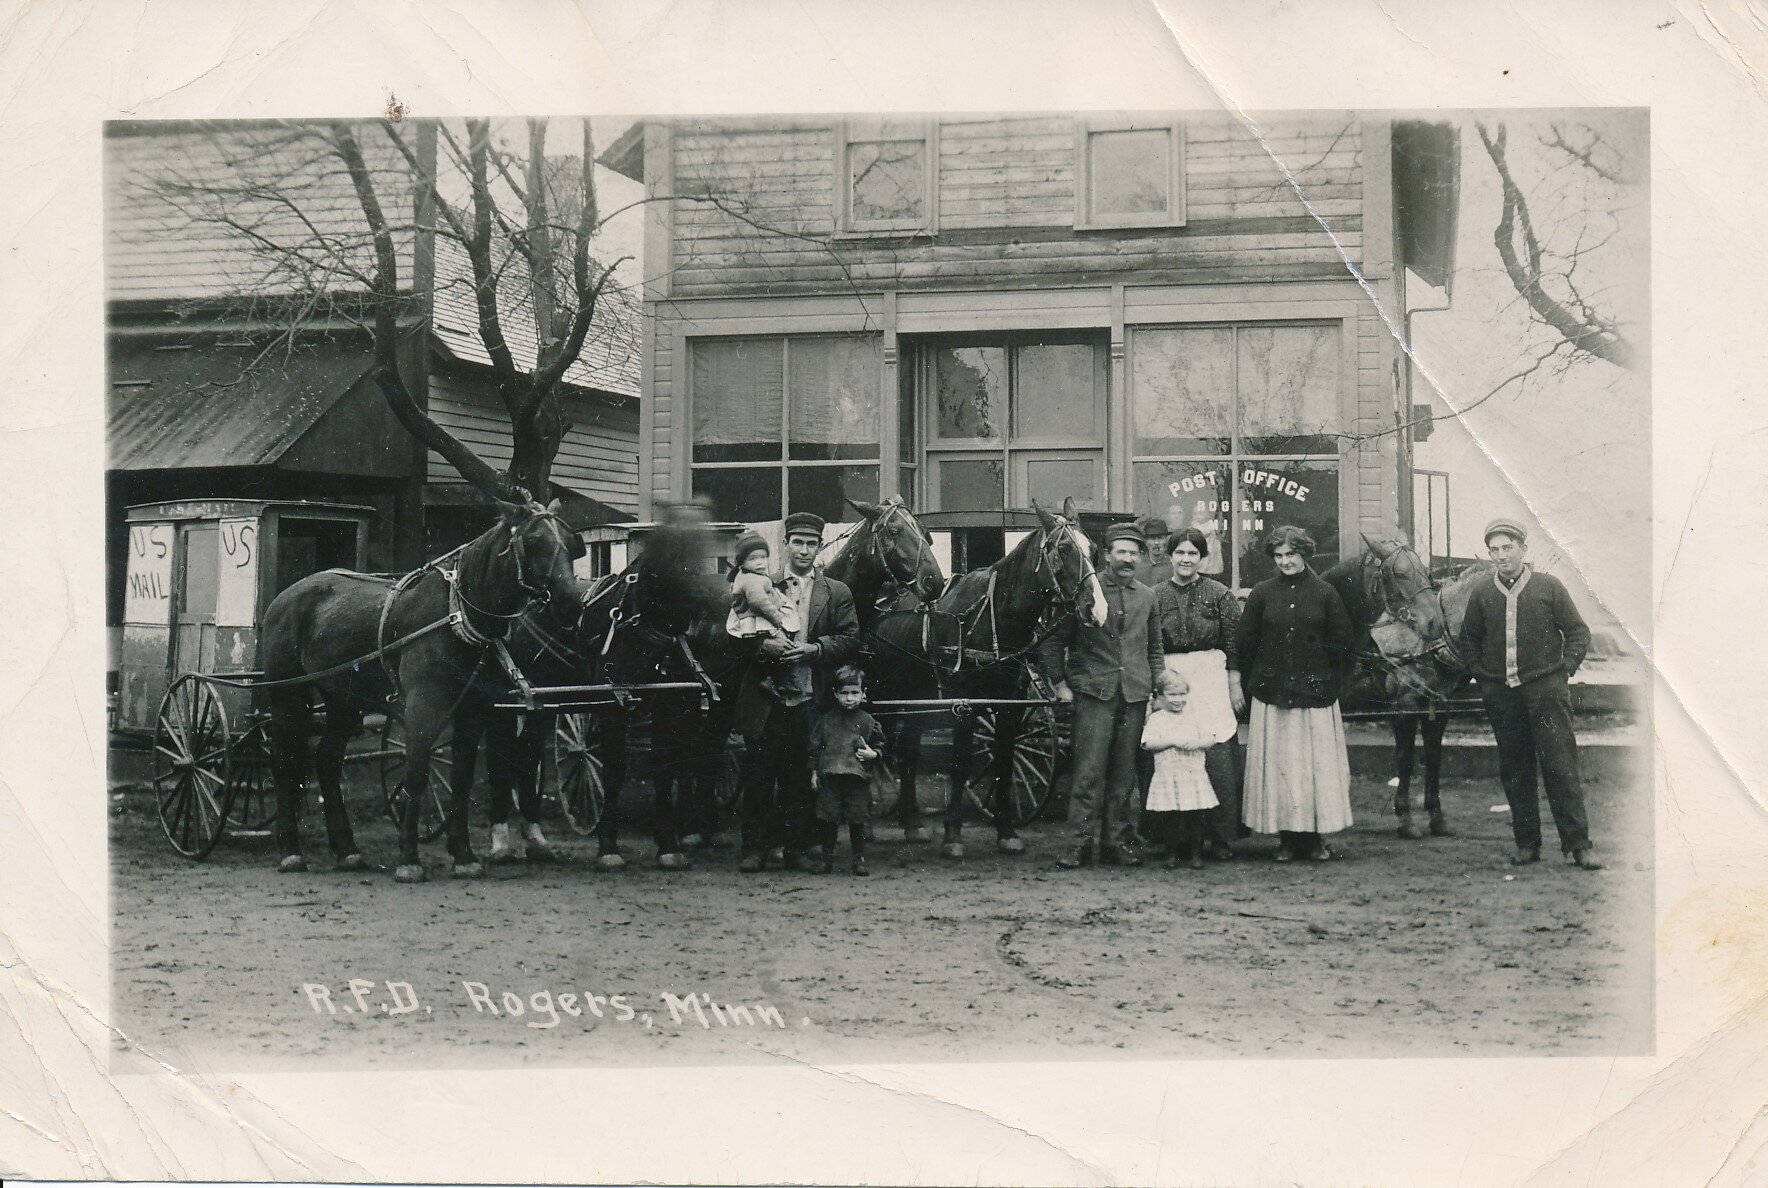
(192, 767)
(252, 810)
(433, 816)
(1033, 759)
(577, 771)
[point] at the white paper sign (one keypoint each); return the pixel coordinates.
(236, 594)
(147, 597)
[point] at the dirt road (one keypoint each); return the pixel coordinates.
(1401, 948)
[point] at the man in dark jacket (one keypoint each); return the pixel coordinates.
(1108, 672)
(1523, 638)
(776, 717)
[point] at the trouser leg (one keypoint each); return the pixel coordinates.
(1093, 721)
(1556, 753)
(1120, 783)
(759, 775)
(1511, 731)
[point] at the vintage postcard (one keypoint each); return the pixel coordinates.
(1171, 622)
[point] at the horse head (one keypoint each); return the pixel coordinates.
(1065, 557)
(896, 547)
(672, 586)
(1402, 586)
(544, 547)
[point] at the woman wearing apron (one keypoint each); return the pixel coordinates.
(1199, 618)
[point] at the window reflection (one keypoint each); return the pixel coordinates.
(971, 392)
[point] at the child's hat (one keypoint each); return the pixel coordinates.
(749, 542)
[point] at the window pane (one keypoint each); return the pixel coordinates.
(970, 386)
(737, 391)
(1048, 481)
(826, 489)
(835, 396)
(1055, 396)
(1183, 380)
(1131, 171)
(1272, 494)
(202, 569)
(972, 484)
(888, 180)
(749, 494)
(1289, 389)
(1190, 495)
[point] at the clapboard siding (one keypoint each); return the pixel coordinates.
(166, 239)
(598, 458)
(768, 227)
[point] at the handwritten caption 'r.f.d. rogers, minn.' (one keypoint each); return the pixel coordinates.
(545, 1009)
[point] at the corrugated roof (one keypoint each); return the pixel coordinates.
(609, 361)
(211, 404)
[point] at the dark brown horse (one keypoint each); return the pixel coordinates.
(977, 641)
(1414, 676)
(886, 557)
(420, 643)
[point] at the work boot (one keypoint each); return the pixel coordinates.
(1525, 855)
(1081, 855)
(1585, 860)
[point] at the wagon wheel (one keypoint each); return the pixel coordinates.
(576, 763)
(192, 766)
(1033, 759)
(433, 817)
(253, 807)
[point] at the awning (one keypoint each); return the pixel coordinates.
(220, 403)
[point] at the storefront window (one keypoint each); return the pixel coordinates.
(786, 424)
(1235, 431)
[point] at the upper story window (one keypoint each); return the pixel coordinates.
(885, 171)
(1129, 172)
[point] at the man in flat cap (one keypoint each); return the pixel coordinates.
(1108, 671)
(1523, 638)
(776, 716)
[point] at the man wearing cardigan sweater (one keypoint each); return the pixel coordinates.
(1523, 638)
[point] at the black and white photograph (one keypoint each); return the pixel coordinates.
(987, 585)
(622, 591)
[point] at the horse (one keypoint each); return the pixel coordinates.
(886, 558)
(977, 641)
(1415, 675)
(424, 640)
(628, 629)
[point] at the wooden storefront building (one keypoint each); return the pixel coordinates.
(1156, 314)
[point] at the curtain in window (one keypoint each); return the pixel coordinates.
(834, 389)
(738, 391)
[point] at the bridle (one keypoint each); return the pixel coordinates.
(876, 550)
(1049, 563)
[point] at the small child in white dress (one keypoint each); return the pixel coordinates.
(1181, 785)
(757, 608)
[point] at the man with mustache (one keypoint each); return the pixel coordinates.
(1108, 670)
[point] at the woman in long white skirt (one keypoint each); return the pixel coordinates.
(1295, 650)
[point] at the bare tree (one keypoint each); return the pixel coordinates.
(1542, 258)
(328, 213)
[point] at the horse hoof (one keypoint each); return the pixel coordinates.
(1440, 828)
(952, 849)
(672, 862)
(293, 864)
(502, 857)
(914, 833)
(409, 873)
(350, 862)
(541, 852)
(467, 870)
(693, 841)
(610, 862)
(1010, 845)
(1409, 829)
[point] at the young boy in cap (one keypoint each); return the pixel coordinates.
(1523, 638)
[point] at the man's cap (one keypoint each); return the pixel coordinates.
(1125, 531)
(1506, 526)
(804, 522)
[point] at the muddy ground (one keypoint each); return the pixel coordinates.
(1414, 948)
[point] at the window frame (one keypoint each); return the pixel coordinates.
(846, 226)
(1236, 459)
(784, 464)
(1086, 129)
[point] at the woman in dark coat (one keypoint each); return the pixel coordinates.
(1295, 649)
